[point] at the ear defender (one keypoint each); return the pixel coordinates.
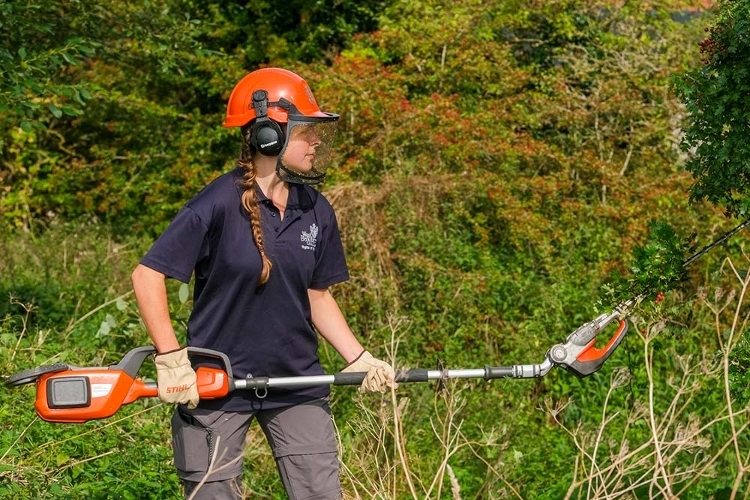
(266, 135)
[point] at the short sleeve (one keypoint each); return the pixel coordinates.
(179, 248)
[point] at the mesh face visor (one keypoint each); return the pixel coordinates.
(306, 154)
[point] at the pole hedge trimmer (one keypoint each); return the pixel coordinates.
(70, 394)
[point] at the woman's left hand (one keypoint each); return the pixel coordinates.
(380, 375)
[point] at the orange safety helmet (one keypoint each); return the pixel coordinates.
(279, 84)
(278, 105)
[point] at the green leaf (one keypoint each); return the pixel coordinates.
(70, 111)
(184, 293)
(121, 304)
(56, 112)
(76, 471)
(61, 458)
(104, 329)
(69, 59)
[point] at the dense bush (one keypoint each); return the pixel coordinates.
(715, 96)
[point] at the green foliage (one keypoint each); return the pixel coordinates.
(67, 165)
(498, 162)
(658, 266)
(715, 97)
(660, 263)
(305, 31)
(39, 43)
(45, 271)
(154, 78)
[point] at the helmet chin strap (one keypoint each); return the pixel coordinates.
(287, 175)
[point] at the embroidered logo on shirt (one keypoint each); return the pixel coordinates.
(308, 239)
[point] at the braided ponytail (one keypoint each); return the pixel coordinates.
(250, 204)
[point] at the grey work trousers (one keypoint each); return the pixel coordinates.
(301, 437)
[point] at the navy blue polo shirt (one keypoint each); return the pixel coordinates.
(264, 330)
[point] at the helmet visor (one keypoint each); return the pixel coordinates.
(307, 152)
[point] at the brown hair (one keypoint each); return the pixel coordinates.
(249, 202)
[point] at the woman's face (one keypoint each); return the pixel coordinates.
(307, 150)
(301, 148)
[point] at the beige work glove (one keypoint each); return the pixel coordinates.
(380, 375)
(175, 378)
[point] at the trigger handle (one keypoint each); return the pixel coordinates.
(583, 360)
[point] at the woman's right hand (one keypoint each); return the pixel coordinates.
(175, 378)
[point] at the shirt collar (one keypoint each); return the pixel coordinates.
(299, 198)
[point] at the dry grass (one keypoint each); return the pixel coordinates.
(680, 450)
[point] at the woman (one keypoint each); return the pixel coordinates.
(264, 247)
